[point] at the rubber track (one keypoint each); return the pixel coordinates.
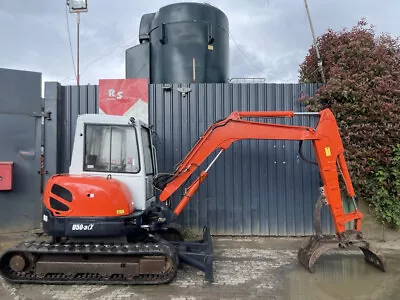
(37, 248)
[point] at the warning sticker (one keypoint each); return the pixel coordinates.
(328, 151)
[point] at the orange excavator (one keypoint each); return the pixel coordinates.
(106, 226)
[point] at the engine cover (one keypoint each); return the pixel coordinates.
(87, 196)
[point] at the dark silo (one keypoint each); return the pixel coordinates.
(189, 42)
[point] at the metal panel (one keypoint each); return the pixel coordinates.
(137, 61)
(256, 187)
(20, 128)
(65, 103)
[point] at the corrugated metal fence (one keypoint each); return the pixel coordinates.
(255, 188)
(65, 103)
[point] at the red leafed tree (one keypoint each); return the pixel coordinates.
(362, 89)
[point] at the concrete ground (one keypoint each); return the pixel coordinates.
(247, 268)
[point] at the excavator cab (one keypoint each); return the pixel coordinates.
(116, 147)
(109, 185)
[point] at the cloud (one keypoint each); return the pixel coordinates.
(272, 36)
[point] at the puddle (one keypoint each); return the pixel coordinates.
(344, 276)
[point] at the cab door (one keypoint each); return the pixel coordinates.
(149, 163)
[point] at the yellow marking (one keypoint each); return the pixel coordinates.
(120, 211)
(328, 151)
(210, 47)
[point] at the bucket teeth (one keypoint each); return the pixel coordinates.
(319, 244)
(374, 258)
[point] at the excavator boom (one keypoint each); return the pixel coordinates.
(329, 153)
(326, 141)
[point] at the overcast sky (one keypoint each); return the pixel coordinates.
(272, 36)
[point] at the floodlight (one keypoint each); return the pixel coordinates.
(77, 5)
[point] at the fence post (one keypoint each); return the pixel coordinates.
(52, 98)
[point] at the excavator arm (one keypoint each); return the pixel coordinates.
(329, 153)
(326, 142)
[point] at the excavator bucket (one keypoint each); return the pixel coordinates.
(319, 244)
(373, 257)
(316, 246)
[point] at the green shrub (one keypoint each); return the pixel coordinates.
(384, 186)
(363, 91)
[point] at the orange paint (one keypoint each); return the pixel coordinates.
(91, 196)
(190, 191)
(327, 146)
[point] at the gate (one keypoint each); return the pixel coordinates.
(20, 134)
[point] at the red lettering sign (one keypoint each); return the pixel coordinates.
(118, 96)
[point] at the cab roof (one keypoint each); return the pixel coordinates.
(108, 119)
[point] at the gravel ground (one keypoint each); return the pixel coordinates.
(247, 268)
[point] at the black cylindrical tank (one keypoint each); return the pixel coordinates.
(189, 42)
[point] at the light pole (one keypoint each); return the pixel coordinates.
(319, 60)
(77, 6)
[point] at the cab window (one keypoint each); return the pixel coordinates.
(110, 148)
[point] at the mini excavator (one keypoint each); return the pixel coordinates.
(106, 226)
